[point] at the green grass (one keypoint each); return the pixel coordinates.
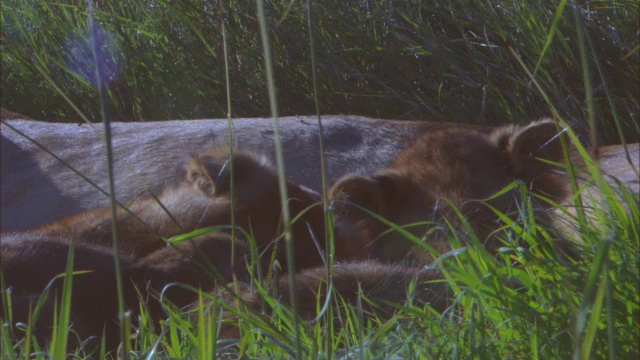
(458, 60)
(443, 60)
(522, 303)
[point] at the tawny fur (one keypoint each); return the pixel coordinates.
(455, 164)
(378, 288)
(32, 259)
(203, 200)
(458, 163)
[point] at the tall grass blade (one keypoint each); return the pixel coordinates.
(7, 346)
(60, 339)
(96, 53)
(286, 217)
(328, 240)
(592, 301)
(586, 73)
(552, 31)
(227, 80)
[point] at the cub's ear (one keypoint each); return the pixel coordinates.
(529, 146)
(209, 174)
(370, 192)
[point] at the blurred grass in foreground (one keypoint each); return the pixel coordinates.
(445, 60)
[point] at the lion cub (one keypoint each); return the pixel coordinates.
(451, 166)
(204, 199)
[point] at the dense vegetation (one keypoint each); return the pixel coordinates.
(458, 60)
(454, 60)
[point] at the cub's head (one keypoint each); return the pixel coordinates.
(256, 202)
(459, 165)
